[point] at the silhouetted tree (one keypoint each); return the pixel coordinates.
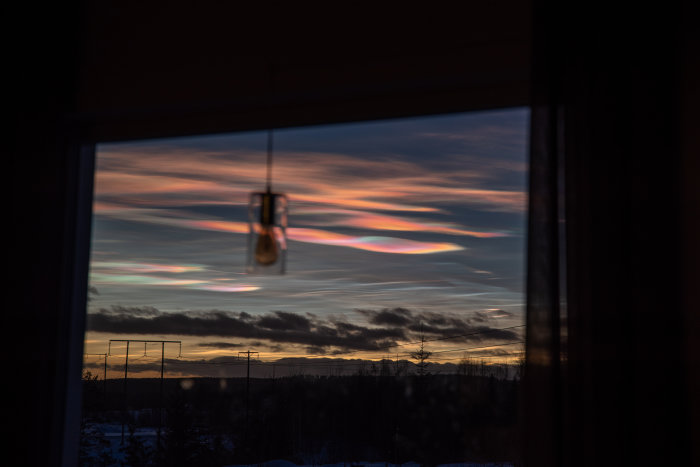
(92, 393)
(421, 355)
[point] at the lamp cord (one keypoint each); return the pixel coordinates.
(269, 160)
(269, 133)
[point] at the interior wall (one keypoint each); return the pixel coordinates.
(156, 69)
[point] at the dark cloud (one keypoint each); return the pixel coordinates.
(315, 350)
(432, 325)
(391, 317)
(480, 317)
(133, 310)
(285, 321)
(131, 320)
(386, 328)
(278, 327)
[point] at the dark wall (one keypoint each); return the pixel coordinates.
(40, 64)
(689, 91)
(151, 68)
(625, 282)
(612, 112)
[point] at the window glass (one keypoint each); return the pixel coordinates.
(395, 335)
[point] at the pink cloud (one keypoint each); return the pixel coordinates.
(360, 219)
(368, 243)
(376, 244)
(331, 179)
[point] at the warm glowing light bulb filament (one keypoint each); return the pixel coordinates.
(266, 251)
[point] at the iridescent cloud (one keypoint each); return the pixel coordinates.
(144, 280)
(141, 273)
(229, 288)
(336, 199)
(145, 267)
(376, 244)
(118, 278)
(162, 175)
(323, 237)
(368, 243)
(365, 220)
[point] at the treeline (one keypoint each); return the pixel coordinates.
(428, 419)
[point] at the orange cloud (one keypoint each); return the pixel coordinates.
(218, 226)
(159, 176)
(368, 243)
(360, 219)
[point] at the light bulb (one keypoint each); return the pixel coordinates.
(266, 246)
(267, 239)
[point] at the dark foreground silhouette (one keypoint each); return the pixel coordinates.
(429, 419)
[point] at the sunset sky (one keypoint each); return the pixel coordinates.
(394, 226)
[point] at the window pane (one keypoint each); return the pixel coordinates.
(395, 335)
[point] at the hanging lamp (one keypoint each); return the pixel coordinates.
(267, 226)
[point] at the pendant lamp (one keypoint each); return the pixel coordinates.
(267, 227)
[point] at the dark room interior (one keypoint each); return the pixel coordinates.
(613, 329)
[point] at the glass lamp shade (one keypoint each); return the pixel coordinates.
(267, 233)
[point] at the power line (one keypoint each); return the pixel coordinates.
(277, 362)
(455, 336)
(390, 346)
(342, 363)
(380, 348)
(162, 373)
(507, 355)
(482, 347)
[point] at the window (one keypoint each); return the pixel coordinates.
(396, 334)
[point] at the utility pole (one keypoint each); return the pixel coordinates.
(126, 402)
(162, 374)
(248, 353)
